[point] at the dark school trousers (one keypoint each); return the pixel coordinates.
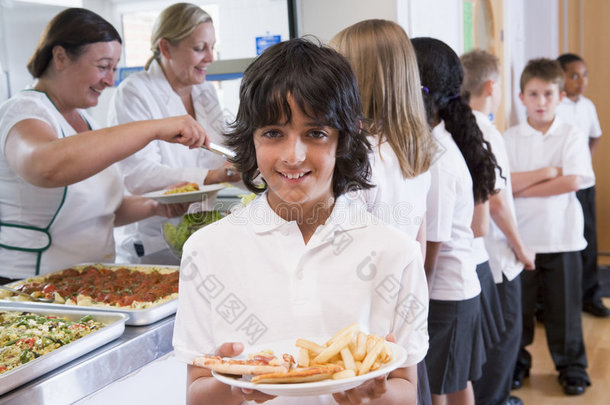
(559, 277)
(493, 388)
(591, 291)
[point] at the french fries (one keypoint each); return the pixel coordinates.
(313, 347)
(352, 349)
(303, 359)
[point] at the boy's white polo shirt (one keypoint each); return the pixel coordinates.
(581, 114)
(502, 259)
(250, 278)
(448, 220)
(398, 201)
(550, 224)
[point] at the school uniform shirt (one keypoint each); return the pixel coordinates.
(82, 229)
(251, 278)
(450, 206)
(581, 114)
(394, 199)
(148, 95)
(502, 259)
(550, 224)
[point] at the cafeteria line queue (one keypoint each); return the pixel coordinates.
(285, 151)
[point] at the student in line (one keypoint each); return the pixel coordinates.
(508, 255)
(395, 120)
(580, 112)
(462, 174)
(549, 162)
(311, 260)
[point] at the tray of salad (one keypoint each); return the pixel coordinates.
(34, 342)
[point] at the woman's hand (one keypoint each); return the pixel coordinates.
(184, 130)
(231, 350)
(170, 210)
(226, 174)
(369, 390)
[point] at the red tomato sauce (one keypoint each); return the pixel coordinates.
(119, 287)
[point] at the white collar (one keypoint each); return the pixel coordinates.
(528, 130)
(348, 213)
(165, 90)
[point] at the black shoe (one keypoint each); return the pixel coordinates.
(596, 309)
(573, 385)
(514, 401)
(518, 375)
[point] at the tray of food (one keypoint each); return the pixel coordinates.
(146, 293)
(36, 341)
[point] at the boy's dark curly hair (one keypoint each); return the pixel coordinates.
(441, 74)
(323, 85)
(568, 58)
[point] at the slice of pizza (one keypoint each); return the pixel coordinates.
(258, 363)
(299, 375)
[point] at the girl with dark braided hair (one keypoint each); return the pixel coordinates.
(463, 178)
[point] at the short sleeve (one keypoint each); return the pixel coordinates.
(596, 129)
(576, 158)
(20, 108)
(440, 204)
(191, 335)
(411, 316)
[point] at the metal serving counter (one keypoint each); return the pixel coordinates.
(138, 346)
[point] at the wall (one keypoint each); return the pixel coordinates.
(20, 27)
(323, 18)
(532, 31)
(441, 19)
(587, 33)
(438, 18)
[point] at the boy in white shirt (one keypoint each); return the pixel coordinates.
(507, 253)
(579, 111)
(302, 259)
(549, 162)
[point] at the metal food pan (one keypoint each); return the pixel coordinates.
(136, 317)
(115, 325)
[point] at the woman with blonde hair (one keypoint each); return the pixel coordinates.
(384, 62)
(385, 65)
(173, 83)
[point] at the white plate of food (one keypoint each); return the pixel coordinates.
(175, 195)
(297, 382)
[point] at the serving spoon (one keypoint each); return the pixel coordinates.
(26, 294)
(220, 150)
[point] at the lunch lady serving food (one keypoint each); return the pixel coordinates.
(311, 258)
(173, 83)
(61, 194)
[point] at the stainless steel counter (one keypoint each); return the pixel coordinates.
(138, 346)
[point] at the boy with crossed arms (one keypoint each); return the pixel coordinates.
(549, 162)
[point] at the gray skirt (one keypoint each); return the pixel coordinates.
(456, 354)
(492, 318)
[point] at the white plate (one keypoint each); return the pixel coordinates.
(204, 192)
(324, 387)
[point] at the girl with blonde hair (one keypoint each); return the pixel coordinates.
(384, 62)
(385, 65)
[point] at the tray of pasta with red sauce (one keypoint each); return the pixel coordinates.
(146, 293)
